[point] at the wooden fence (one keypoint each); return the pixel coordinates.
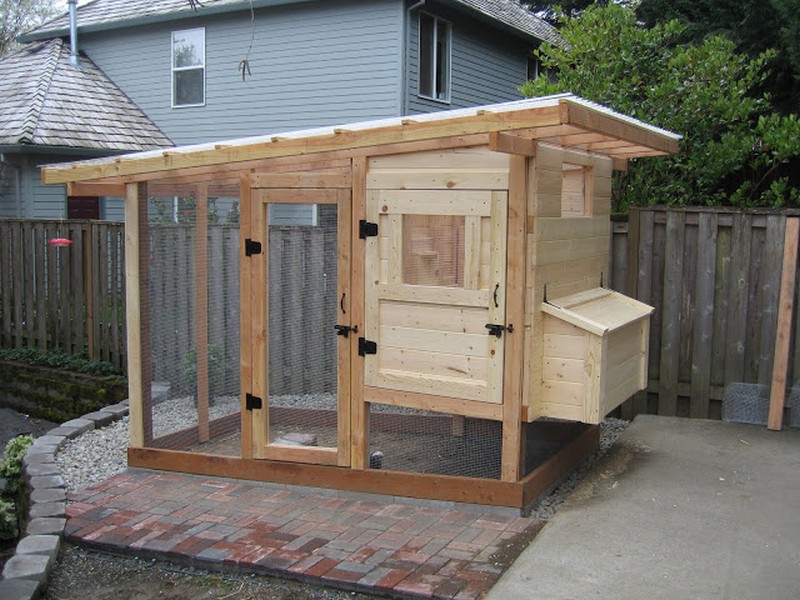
(71, 297)
(714, 278)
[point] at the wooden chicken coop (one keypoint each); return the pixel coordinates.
(411, 306)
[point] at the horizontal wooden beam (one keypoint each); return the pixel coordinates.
(310, 180)
(455, 406)
(174, 160)
(511, 144)
(95, 189)
(607, 124)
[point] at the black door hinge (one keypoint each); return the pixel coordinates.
(252, 402)
(367, 229)
(366, 346)
(251, 247)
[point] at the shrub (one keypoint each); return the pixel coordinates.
(13, 501)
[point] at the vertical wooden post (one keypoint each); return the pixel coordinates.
(344, 222)
(359, 409)
(245, 317)
(512, 451)
(138, 315)
(88, 274)
(201, 307)
(783, 338)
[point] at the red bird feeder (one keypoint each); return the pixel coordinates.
(59, 242)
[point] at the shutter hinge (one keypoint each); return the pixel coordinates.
(251, 247)
(367, 229)
(252, 402)
(366, 346)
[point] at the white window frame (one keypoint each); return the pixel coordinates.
(434, 57)
(175, 69)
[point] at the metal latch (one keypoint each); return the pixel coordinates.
(252, 402)
(343, 330)
(497, 330)
(366, 346)
(367, 229)
(251, 247)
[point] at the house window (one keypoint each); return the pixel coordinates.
(533, 67)
(189, 67)
(435, 42)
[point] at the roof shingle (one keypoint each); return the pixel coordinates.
(102, 14)
(45, 100)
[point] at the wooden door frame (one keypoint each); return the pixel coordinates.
(261, 194)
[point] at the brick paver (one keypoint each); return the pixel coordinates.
(414, 550)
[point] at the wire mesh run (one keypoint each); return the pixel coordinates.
(422, 441)
(192, 282)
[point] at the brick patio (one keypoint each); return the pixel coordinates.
(390, 547)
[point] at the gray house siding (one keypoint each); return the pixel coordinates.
(487, 64)
(27, 197)
(312, 64)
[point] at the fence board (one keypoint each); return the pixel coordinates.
(671, 314)
(703, 325)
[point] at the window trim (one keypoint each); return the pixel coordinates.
(434, 67)
(174, 69)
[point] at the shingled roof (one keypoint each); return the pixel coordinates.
(46, 101)
(109, 14)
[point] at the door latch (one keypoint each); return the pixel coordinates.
(497, 330)
(344, 330)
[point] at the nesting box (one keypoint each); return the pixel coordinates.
(404, 306)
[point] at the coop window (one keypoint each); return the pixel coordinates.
(576, 197)
(435, 41)
(189, 67)
(433, 250)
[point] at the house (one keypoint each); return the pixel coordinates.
(53, 111)
(230, 69)
(447, 333)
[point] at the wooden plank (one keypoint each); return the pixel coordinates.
(769, 296)
(610, 125)
(7, 284)
(785, 313)
(436, 202)
(512, 144)
(201, 315)
(513, 450)
(314, 179)
(359, 407)
(469, 158)
(453, 178)
(435, 340)
(261, 372)
(289, 196)
(133, 291)
(391, 483)
(246, 317)
(670, 335)
(433, 295)
(285, 147)
(427, 401)
(344, 241)
(703, 326)
(309, 455)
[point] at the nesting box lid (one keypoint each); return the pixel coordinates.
(599, 310)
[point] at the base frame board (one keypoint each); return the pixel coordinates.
(521, 494)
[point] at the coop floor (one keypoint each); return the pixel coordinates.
(376, 544)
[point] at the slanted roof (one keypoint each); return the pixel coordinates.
(46, 101)
(100, 15)
(564, 120)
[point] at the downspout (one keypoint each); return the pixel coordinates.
(73, 33)
(406, 47)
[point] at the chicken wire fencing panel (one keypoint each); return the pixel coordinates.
(303, 301)
(192, 279)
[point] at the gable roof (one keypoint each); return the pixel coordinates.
(46, 101)
(99, 15)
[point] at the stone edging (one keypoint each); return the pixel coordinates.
(25, 574)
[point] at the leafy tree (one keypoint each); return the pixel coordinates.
(754, 25)
(735, 151)
(18, 16)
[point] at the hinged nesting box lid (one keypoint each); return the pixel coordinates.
(599, 310)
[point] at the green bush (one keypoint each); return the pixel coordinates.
(58, 359)
(12, 501)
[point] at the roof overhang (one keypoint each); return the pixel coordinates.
(563, 120)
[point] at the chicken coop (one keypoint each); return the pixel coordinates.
(411, 306)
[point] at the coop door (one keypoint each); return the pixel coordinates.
(435, 293)
(299, 294)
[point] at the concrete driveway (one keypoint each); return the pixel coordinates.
(680, 508)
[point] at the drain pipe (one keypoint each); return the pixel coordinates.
(73, 33)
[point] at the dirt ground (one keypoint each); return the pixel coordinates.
(86, 575)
